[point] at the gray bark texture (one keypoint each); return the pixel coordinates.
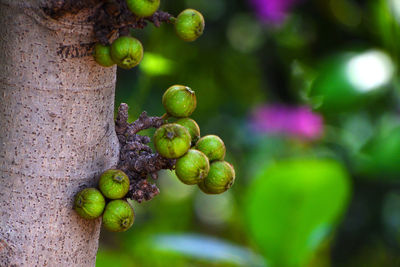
(56, 135)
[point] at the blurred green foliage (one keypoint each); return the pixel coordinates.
(291, 204)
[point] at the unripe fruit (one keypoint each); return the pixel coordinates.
(118, 216)
(179, 101)
(193, 167)
(172, 140)
(220, 178)
(143, 8)
(89, 203)
(102, 55)
(192, 127)
(212, 146)
(127, 52)
(114, 184)
(189, 25)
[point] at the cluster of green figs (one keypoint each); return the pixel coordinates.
(127, 51)
(90, 203)
(199, 160)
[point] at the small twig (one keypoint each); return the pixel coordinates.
(121, 123)
(144, 122)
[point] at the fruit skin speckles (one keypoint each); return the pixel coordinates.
(192, 127)
(127, 52)
(114, 184)
(192, 168)
(220, 178)
(118, 216)
(189, 25)
(172, 140)
(143, 8)
(89, 203)
(179, 101)
(212, 146)
(102, 55)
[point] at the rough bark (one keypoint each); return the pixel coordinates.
(56, 135)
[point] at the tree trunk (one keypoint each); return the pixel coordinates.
(56, 136)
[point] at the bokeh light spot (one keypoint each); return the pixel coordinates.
(155, 64)
(370, 70)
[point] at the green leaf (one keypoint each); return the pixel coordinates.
(293, 205)
(379, 157)
(348, 81)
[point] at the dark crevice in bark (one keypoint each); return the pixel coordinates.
(58, 8)
(137, 159)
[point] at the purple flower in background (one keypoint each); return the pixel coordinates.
(292, 121)
(273, 11)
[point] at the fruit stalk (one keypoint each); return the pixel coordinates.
(137, 159)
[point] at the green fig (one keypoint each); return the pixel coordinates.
(192, 168)
(118, 216)
(172, 140)
(212, 146)
(102, 55)
(89, 203)
(189, 25)
(220, 178)
(192, 127)
(127, 52)
(179, 101)
(114, 184)
(143, 8)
